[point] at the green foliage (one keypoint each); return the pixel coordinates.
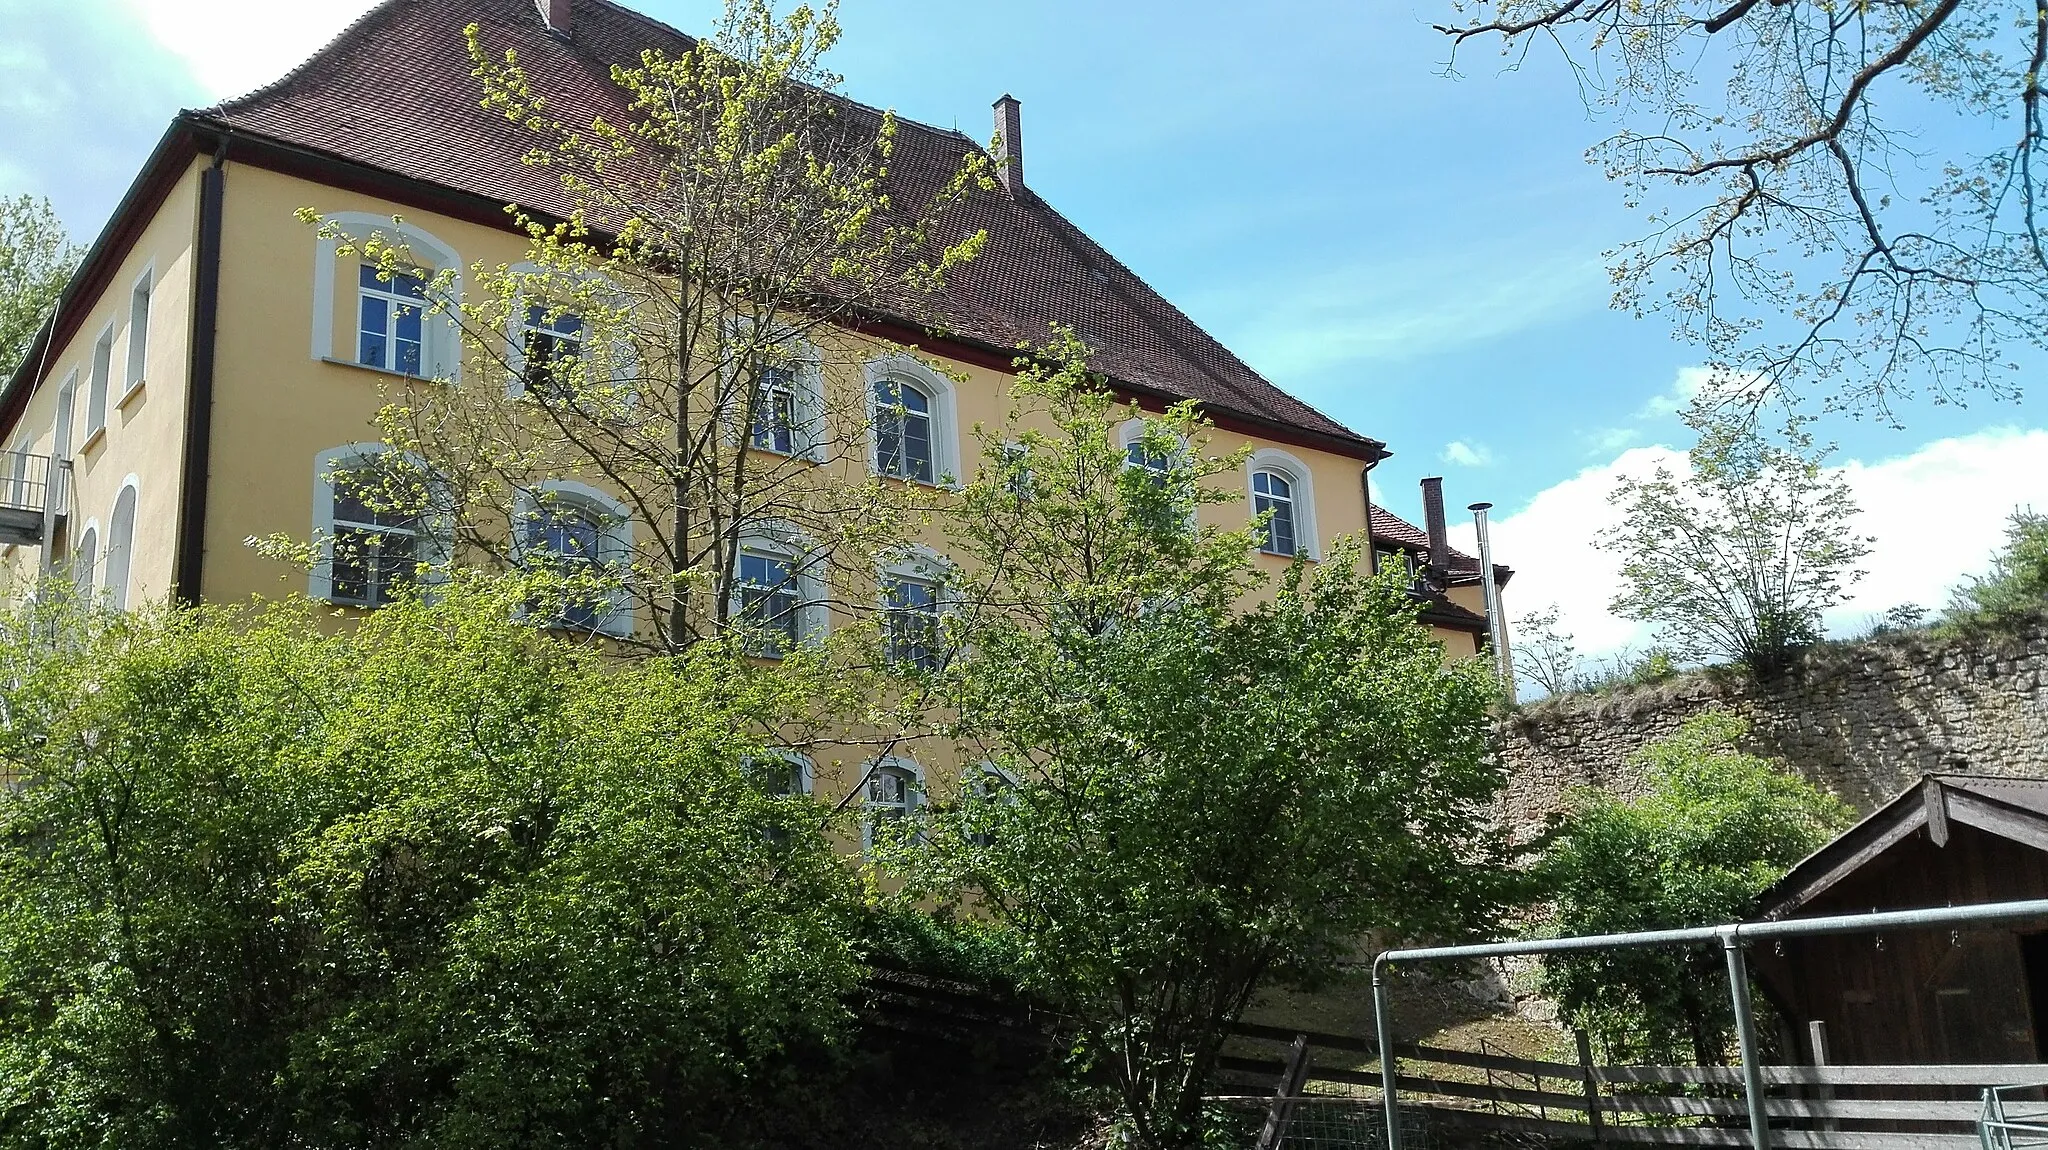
(1188, 796)
(1715, 829)
(1739, 558)
(435, 880)
(943, 945)
(687, 329)
(36, 260)
(2015, 588)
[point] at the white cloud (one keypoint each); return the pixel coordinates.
(1936, 513)
(1685, 387)
(1462, 454)
(237, 46)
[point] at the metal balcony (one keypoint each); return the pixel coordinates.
(33, 491)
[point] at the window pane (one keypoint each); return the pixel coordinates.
(369, 278)
(911, 623)
(917, 447)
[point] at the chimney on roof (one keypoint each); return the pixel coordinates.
(1439, 532)
(556, 13)
(1010, 144)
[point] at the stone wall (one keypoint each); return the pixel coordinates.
(1864, 721)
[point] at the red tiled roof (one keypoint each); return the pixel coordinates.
(394, 92)
(1389, 528)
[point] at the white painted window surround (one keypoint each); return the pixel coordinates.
(433, 542)
(892, 789)
(121, 544)
(1273, 459)
(813, 600)
(614, 523)
(621, 358)
(138, 327)
(944, 415)
(442, 354)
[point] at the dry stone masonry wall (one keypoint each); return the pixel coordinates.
(1864, 721)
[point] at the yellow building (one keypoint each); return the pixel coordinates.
(214, 360)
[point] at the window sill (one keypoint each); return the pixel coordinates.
(385, 371)
(94, 440)
(133, 393)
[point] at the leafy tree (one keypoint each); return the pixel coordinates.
(36, 260)
(1804, 228)
(2017, 584)
(684, 337)
(1739, 558)
(1545, 655)
(1188, 796)
(1715, 828)
(436, 880)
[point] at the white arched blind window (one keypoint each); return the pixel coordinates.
(120, 547)
(83, 564)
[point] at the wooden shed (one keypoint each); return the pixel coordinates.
(1921, 997)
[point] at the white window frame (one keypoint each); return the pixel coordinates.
(1289, 467)
(119, 576)
(802, 771)
(615, 544)
(441, 350)
(913, 791)
(813, 605)
(434, 542)
(1131, 431)
(919, 564)
(98, 402)
(623, 359)
(141, 297)
(901, 367)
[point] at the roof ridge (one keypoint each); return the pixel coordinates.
(643, 18)
(354, 27)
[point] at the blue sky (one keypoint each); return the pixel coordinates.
(1418, 255)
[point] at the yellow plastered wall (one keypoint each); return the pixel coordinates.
(144, 432)
(278, 404)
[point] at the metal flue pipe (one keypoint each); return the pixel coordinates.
(1496, 627)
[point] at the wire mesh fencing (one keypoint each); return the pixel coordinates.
(1323, 1122)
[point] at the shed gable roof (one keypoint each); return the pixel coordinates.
(2012, 808)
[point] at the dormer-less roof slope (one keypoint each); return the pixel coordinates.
(394, 92)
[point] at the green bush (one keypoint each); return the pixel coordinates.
(2015, 588)
(1716, 828)
(434, 880)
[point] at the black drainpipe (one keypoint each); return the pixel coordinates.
(191, 554)
(1372, 555)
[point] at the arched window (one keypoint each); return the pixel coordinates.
(121, 545)
(374, 525)
(778, 597)
(912, 606)
(86, 560)
(1280, 485)
(912, 421)
(782, 771)
(1147, 456)
(387, 324)
(893, 791)
(1273, 496)
(903, 431)
(586, 537)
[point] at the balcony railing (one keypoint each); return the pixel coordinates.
(33, 491)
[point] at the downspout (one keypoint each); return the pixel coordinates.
(1372, 555)
(1496, 627)
(189, 562)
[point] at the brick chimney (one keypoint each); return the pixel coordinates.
(1010, 144)
(1439, 532)
(556, 13)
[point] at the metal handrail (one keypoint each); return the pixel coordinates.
(1731, 937)
(25, 481)
(1995, 1128)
